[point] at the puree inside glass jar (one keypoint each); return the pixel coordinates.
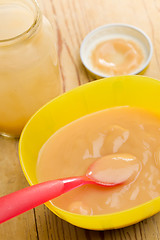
(117, 131)
(29, 69)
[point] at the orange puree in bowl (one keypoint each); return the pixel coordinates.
(116, 57)
(122, 134)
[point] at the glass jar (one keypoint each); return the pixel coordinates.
(29, 70)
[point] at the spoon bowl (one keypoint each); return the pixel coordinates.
(114, 169)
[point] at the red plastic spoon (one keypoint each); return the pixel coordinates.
(108, 171)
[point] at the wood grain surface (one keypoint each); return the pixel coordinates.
(71, 21)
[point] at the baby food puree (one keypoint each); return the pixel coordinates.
(29, 70)
(117, 57)
(15, 19)
(122, 133)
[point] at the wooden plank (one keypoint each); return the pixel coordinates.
(12, 179)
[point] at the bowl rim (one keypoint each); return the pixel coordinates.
(144, 65)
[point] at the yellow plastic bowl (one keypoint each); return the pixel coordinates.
(138, 91)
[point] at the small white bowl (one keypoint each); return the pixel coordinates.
(112, 31)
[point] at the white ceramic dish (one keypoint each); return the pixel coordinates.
(112, 31)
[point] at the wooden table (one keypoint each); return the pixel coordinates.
(72, 20)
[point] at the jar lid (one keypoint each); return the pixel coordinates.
(115, 31)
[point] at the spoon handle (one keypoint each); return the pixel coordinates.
(23, 200)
